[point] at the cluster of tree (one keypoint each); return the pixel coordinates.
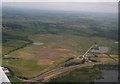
(107, 66)
(69, 59)
(6, 37)
(75, 63)
(16, 48)
(12, 25)
(9, 58)
(22, 77)
(92, 60)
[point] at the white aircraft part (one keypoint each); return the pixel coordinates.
(3, 77)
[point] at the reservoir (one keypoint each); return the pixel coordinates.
(109, 76)
(38, 43)
(102, 49)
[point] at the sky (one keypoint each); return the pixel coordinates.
(60, 0)
(102, 7)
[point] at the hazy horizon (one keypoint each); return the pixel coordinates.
(99, 7)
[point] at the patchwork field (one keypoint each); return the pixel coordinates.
(22, 67)
(105, 58)
(64, 37)
(55, 47)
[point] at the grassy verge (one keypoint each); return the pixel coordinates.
(79, 75)
(14, 79)
(22, 67)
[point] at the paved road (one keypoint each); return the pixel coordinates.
(88, 50)
(60, 70)
(55, 72)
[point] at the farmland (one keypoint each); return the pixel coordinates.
(63, 36)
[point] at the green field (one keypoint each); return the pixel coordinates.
(64, 36)
(105, 58)
(14, 79)
(88, 74)
(22, 67)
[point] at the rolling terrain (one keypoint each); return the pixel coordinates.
(64, 36)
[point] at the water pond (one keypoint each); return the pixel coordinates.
(109, 76)
(38, 43)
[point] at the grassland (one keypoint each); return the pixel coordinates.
(22, 67)
(63, 37)
(13, 42)
(105, 58)
(87, 74)
(14, 79)
(52, 50)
